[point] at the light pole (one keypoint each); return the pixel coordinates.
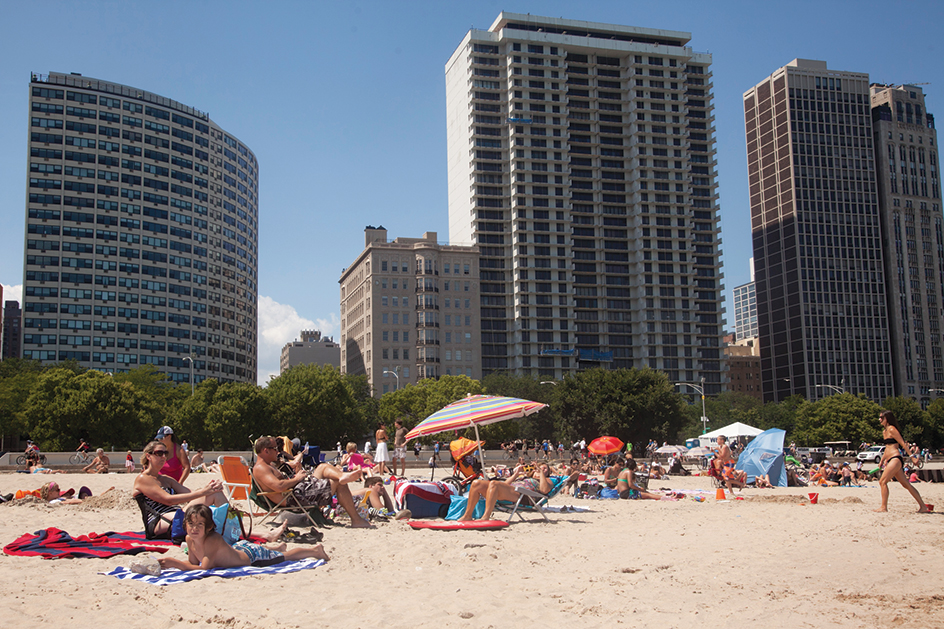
(840, 389)
(191, 373)
(700, 389)
(395, 375)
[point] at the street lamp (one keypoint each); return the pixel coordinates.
(191, 373)
(395, 375)
(700, 389)
(840, 389)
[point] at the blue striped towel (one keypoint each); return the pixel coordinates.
(169, 577)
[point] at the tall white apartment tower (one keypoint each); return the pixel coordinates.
(582, 164)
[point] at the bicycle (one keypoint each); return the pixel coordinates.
(79, 458)
(21, 460)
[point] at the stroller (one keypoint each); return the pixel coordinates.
(466, 467)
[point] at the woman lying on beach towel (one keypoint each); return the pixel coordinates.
(207, 549)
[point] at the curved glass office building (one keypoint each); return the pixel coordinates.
(141, 234)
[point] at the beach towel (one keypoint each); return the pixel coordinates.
(53, 543)
(170, 577)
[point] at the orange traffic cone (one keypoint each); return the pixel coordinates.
(719, 494)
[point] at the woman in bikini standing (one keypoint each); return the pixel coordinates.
(894, 462)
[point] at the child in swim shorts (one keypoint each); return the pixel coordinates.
(207, 549)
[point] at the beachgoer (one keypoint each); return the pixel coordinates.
(538, 479)
(383, 455)
(626, 483)
(33, 466)
(367, 447)
(399, 448)
(733, 477)
(610, 474)
(99, 464)
(207, 549)
(893, 461)
(163, 494)
(374, 494)
(129, 462)
(416, 449)
(177, 465)
(314, 489)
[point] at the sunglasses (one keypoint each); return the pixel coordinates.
(159, 452)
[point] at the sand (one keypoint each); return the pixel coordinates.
(771, 559)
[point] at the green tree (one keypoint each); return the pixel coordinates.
(415, 402)
(782, 415)
(17, 380)
(316, 404)
(634, 405)
(189, 418)
(837, 418)
(164, 395)
(933, 436)
(65, 406)
(239, 410)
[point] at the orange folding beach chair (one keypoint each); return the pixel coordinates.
(237, 482)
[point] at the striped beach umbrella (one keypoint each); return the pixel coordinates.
(474, 411)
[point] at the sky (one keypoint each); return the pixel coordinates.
(343, 104)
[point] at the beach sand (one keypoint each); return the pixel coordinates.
(771, 559)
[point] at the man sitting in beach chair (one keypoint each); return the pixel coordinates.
(308, 489)
(537, 480)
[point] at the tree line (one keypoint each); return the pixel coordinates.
(55, 406)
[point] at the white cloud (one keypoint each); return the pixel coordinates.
(279, 324)
(13, 293)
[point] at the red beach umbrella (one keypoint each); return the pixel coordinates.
(605, 445)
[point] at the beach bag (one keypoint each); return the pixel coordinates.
(608, 494)
(178, 532)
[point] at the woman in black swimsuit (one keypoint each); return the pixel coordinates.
(894, 462)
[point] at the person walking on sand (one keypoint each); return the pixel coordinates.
(399, 448)
(894, 462)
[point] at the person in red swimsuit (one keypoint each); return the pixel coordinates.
(176, 466)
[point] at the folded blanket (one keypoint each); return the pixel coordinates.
(53, 543)
(169, 577)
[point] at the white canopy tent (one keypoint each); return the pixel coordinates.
(737, 429)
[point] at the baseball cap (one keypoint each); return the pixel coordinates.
(163, 432)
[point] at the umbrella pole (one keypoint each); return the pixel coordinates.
(479, 441)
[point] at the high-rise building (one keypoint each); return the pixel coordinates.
(12, 322)
(141, 234)
(820, 282)
(409, 311)
(909, 192)
(312, 349)
(581, 162)
(745, 309)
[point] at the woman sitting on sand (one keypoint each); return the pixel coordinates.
(163, 494)
(626, 484)
(610, 474)
(207, 549)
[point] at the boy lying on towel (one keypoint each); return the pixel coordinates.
(207, 549)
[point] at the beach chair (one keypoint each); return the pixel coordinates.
(237, 481)
(274, 503)
(530, 500)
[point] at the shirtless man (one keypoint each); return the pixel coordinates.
(734, 478)
(309, 490)
(99, 464)
(399, 448)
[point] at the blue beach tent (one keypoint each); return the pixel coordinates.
(764, 455)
